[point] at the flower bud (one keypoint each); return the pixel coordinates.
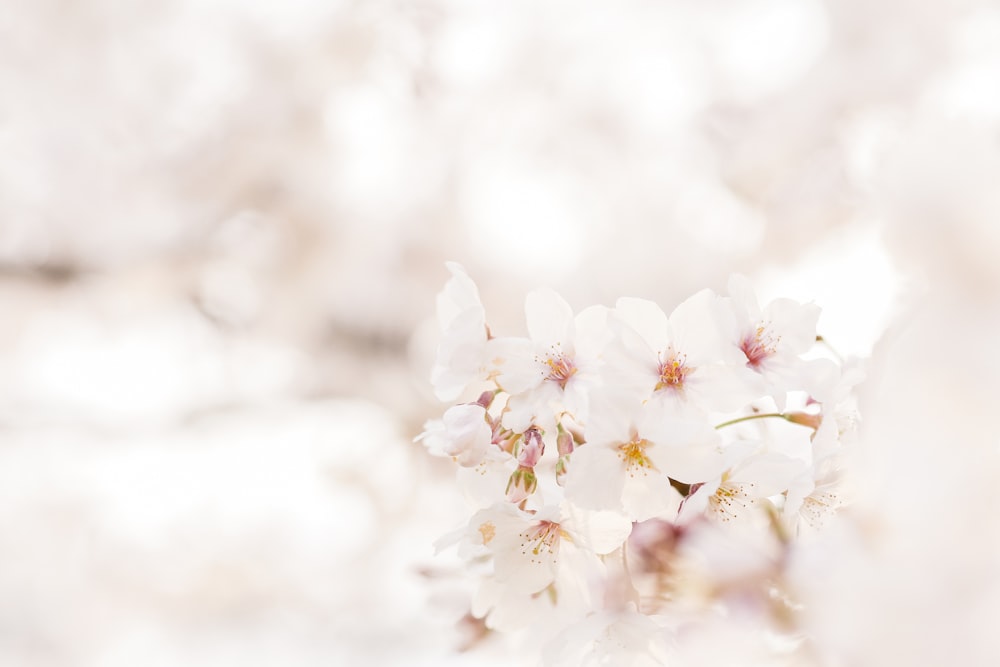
(805, 419)
(485, 399)
(522, 483)
(564, 443)
(532, 449)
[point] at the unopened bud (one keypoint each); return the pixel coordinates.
(564, 443)
(533, 448)
(486, 399)
(805, 419)
(522, 483)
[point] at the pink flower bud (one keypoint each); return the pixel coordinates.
(805, 419)
(532, 449)
(485, 399)
(564, 443)
(522, 483)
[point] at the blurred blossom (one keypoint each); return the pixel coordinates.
(764, 47)
(223, 224)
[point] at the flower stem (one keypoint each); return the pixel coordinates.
(812, 420)
(764, 415)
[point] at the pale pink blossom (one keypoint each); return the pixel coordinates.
(462, 354)
(556, 368)
(680, 362)
(812, 498)
(736, 495)
(629, 460)
(463, 433)
(552, 552)
(771, 338)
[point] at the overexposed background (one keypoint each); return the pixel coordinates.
(222, 226)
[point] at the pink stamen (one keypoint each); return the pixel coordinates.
(542, 538)
(561, 369)
(673, 370)
(758, 346)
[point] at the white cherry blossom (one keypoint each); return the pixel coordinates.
(771, 338)
(545, 558)
(812, 498)
(525, 546)
(735, 495)
(629, 460)
(464, 434)
(681, 361)
(557, 367)
(462, 355)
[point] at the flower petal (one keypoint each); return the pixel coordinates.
(549, 318)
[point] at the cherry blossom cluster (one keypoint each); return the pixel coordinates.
(632, 472)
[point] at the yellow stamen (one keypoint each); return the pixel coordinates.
(633, 454)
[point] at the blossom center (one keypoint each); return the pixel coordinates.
(541, 540)
(731, 499)
(817, 506)
(561, 368)
(673, 370)
(488, 530)
(633, 454)
(759, 345)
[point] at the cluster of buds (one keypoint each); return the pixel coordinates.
(683, 438)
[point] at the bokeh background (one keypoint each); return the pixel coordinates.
(223, 224)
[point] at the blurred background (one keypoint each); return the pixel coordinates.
(223, 224)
